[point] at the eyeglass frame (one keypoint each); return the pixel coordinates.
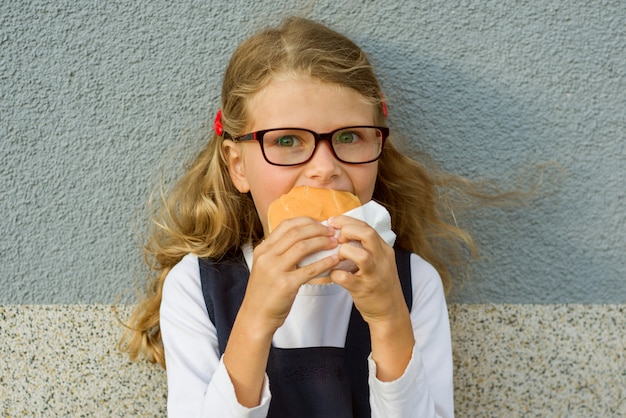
(328, 136)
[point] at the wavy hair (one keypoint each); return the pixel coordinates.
(204, 214)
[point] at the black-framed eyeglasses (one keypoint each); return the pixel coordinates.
(294, 146)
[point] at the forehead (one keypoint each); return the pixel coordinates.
(308, 103)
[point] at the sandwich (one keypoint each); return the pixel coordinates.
(319, 204)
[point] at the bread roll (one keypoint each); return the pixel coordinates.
(319, 204)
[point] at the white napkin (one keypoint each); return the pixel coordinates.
(372, 213)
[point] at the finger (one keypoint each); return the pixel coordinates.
(289, 259)
(364, 260)
(342, 221)
(352, 229)
(295, 241)
(346, 265)
(316, 269)
(376, 271)
(364, 247)
(343, 278)
(360, 235)
(291, 231)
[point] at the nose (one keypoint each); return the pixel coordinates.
(323, 164)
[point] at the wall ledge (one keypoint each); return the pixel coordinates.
(509, 360)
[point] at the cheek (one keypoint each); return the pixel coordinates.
(364, 181)
(268, 184)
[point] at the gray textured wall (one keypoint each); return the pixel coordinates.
(96, 97)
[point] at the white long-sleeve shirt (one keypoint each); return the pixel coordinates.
(199, 385)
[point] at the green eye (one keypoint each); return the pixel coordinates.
(286, 141)
(346, 137)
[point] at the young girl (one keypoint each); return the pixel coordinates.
(243, 331)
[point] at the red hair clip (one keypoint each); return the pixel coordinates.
(383, 103)
(217, 123)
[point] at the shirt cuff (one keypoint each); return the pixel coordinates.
(394, 388)
(408, 395)
(229, 399)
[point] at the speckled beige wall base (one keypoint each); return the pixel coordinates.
(539, 360)
(62, 361)
(510, 361)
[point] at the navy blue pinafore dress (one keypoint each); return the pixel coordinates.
(313, 382)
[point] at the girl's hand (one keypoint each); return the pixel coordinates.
(275, 278)
(272, 288)
(377, 294)
(375, 286)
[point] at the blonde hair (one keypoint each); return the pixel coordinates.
(205, 215)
